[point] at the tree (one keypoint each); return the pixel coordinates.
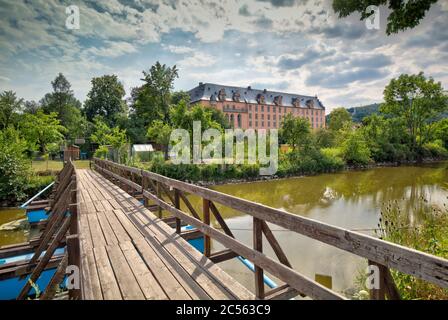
(41, 130)
(324, 138)
(160, 133)
(153, 98)
(31, 107)
(63, 102)
(10, 105)
(106, 136)
(182, 117)
(418, 101)
(338, 118)
(296, 131)
(105, 99)
(404, 14)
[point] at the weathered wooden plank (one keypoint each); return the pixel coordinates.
(91, 281)
(109, 287)
(148, 283)
(129, 287)
(168, 282)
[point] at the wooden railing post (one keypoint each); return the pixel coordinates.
(258, 246)
(159, 195)
(177, 206)
(386, 284)
(144, 187)
(206, 220)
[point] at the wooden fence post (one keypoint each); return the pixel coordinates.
(206, 219)
(258, 246)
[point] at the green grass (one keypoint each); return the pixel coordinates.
(39, 166)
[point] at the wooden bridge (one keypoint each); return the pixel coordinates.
(126, 250)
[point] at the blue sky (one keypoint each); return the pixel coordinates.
(297, 46)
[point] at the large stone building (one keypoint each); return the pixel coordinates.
(258, 109)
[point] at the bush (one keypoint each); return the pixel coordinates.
(355, 150)
(428, 234)
(101, 152)
(332, 158)
(14, 167)
(435, 149)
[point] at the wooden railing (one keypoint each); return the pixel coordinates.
(384, 255)
(61, 228)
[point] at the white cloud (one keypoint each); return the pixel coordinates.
(197, 59)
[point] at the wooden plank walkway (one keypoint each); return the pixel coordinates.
(129, 253)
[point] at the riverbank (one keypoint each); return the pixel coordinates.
(209, 183)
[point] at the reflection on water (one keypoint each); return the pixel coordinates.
(16, 236)
(351, 200)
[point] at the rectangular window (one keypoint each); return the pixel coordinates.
(250, 115)
(256, 123)
(256, 116)
(269, 117)
(262, 108)
(250, 123)
(269, 123)
(262, 116)
(250, 108)
(269, 109)
(262, 123)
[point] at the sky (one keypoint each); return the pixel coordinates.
(295, 46)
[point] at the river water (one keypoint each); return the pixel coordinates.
(351, 199)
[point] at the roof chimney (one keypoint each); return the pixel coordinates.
(249, 88)
(200, 83)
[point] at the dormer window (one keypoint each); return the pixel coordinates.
(260, 99)
(236, 96)
(278, 100)
(222, 95)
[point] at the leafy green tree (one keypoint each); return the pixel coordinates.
(160, 133)
(105, 99)
(296, 131)
(404, 14)
(42, 129)
(182, 117)
(63, 102)
(324, 138)
(31, 107)
(178, 96)
(106, 136)
(338, 118)
(418, 101)
(14, 167)
(152, 100)
(10, 105)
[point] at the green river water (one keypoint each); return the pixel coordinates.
(350, 199)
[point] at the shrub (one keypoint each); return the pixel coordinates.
(332, 158)
(14, 167)
(428, 234)
(435, 149)
(101, 152)
(355, 150)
